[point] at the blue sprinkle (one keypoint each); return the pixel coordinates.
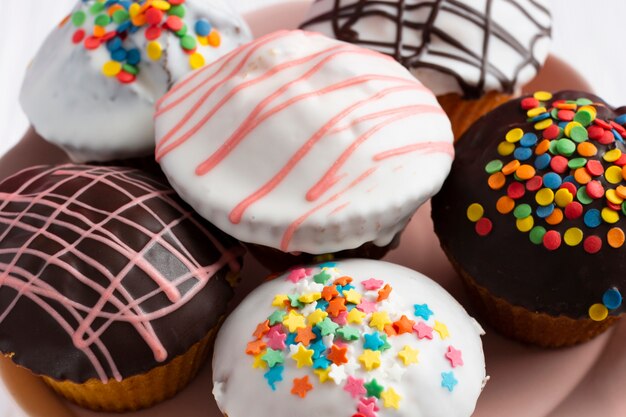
(291, 339)
(133, 57)
(328, 265)
(544, 211)
(321, 363)
(373, 341)
(543, 161)
(552, 180)
(612, 299)
(119, 55)
(528, 140)
(542, 116)
(422, 310)
(318, 348)
(133, 28)
(570, 178)
(593, 218)
(274, 375)
(114, 44)
(124, 26)
(523, 154)
(126, 4)
(562, 125)
(448, 380)
(617, 135)
(322, 304)
(621, 119)
(203, 27)
(350, 306)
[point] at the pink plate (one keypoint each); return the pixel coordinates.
(586, 380)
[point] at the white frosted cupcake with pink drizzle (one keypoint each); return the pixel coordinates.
(303, 146)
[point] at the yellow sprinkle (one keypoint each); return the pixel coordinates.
(612, 155)
(161, 5)
(525, 224)
(111, 68)
(215, 39)
(475, 212)
(391, 399)
(514, 135)
(279, 300)
(544, 124)
(573, 236)
(563, 197)
(589, 109)
(318, 316)
(612, 196)
(196, 60)
(542, 95)
(610, 216)
(310, 297)
(442, 329)
(544, 196)
(154, 50)
(536, 111)
(598, 312)
(134, 9)
(259, 363)
(569, 127)
(203, 40)
(505, 148)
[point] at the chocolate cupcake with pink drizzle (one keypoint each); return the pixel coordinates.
(110, 286)
(303, 146)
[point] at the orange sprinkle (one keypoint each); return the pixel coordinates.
(496, 181)
(139, 20)
(621, 191)
(390, 330)
(582, 176)
(616, 237)
(215, 39)
(556, 217)
(525, 172)
(587, 149)
(114, 8)
(99, 31)
(505, 205)
(624, 172)
(511, 167)
(565, 106)
(542, 147)
(145, 6)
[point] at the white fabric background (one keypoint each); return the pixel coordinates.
(586, 34)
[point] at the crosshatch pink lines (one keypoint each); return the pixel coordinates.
(73, 212)
(201, 97)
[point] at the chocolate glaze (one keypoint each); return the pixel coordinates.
(566, 281)
(34, 337)
(410, 50)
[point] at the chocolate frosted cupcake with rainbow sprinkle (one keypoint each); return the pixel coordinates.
(352, 338)
(92, 87)
(533, 216)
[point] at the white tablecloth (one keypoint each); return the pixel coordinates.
(586, 34)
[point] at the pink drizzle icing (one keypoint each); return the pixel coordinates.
(311, 64)
(85, 337)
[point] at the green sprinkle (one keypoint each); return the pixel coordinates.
(583, 117)
(555, 114)
(327, 326)
(582, 196)
(494, 166)
(579, 134)
(536, 234)
(294, 302)
(188, 42)
(276, 317)
(565, 147)
(120, 16)
(624, 207)
(177, 10)
(131, 69)
(321, 278)
(349, 333)
(577, 163)
(522, 211)
(96, 8)
(553, 149)
(78, 18)
(181, 33)
(102, 20)
(583, 102)
(374, 389)
(273, 357)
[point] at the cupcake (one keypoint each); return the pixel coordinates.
(92, 87)
(532, 216)
(111, 289)
(303, 146)
(473, 55)
(354, 338)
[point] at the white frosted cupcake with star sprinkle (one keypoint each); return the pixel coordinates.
(354, 338)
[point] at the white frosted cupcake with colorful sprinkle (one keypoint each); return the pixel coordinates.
(93, 85)
(353, 338)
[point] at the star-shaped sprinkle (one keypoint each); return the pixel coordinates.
(318, 347)
(370, 359)
(279, 300)
(303, 357)
(355, 387)
(448, 380)
(337, 373)
(386, 345)
(305, 335)
(294, 321)
(323, 374)
(294, 301)
(321, 363)
(276, 317)
(422, 310)
(348, 333)
(322, 277)
(367, 306)
(310, 297)
(379, 320)
(259, 363)
(442, 329)
(366, 409)
(391, 399)
(262, 329)
(372, 284)
(328, 293)
(454, 356)
(274, 375)
(352, 296)
(374, 389)
(301, 387)
(404, 325)
(298, 274)
(327, 326)
(408, 355)
(273, 357)
(291, 339)
(373, 341)
(338, 355)
(423, 330)
(344, 280)
(356, 316)
(395, 372)
(276, 340)
(316, 317)
(336, 306)
(383, 293)
(341, 319)
(309, 309)
(390, 330)
(254, 348)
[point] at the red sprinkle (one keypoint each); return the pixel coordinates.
(595, 132)
(592, 244)
(91, 42)
(566, 115)
(616, 207)
(530, 103)
(552, 240)
(569, 187)
(153, 16)
(516, 190)
(552, 132)
(534, 183)
(573, 210)
(108, 36)
(621, 161)
(559, 164)
(174, 23)
(602, 124)
(484, 226)
(176, 2)
(594, 167)
(125, 77)
(153, 33)
(607, 138)
(79, 35)
(620, 129)
(594, 189)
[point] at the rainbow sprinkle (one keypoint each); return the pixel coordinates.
(115, 20)
(341, 333)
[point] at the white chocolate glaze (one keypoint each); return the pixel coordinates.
(305, 144)
(453, 46)
(71, 103)
(241, 390)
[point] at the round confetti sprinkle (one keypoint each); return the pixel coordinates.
(522, 211)
(484, 226)
(78, 36)
(542, 161)
(505, 148)
(612, 155)
(612, 299)
(196, 60)
(555, 218)
(111, 68)
(612, 197)
(610, 216)
(529, 103)
(542, 96)
(573, 236)
(592, 218)
(154, 16)
(174, 23)
(494, 166)
(188, 42)
(516, 190)
(511, 167)
(496, 181)
(573, 210)
(536, 235)
(102, 20)
(514, 135)
(552, 240)
(592, 244)
(528, 140)
(576, 163)
(594, 189)
(545, 211)
(552, 132)
(552, 180)
(565, 147)
(544, 196)
(584, 117)
(154, 50)
(78, 18)
(542, 147)
(598, 312)
(524, 225)
(534, 184)
(505, 205)
(475, 212)
(587, 149)
(524, 172)
(559, 164)
(544, 124)
(615, 237)
(522, 154)
(582, 196)
(153, 33)
(563, 197)
(202, 27)
(613, 174)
